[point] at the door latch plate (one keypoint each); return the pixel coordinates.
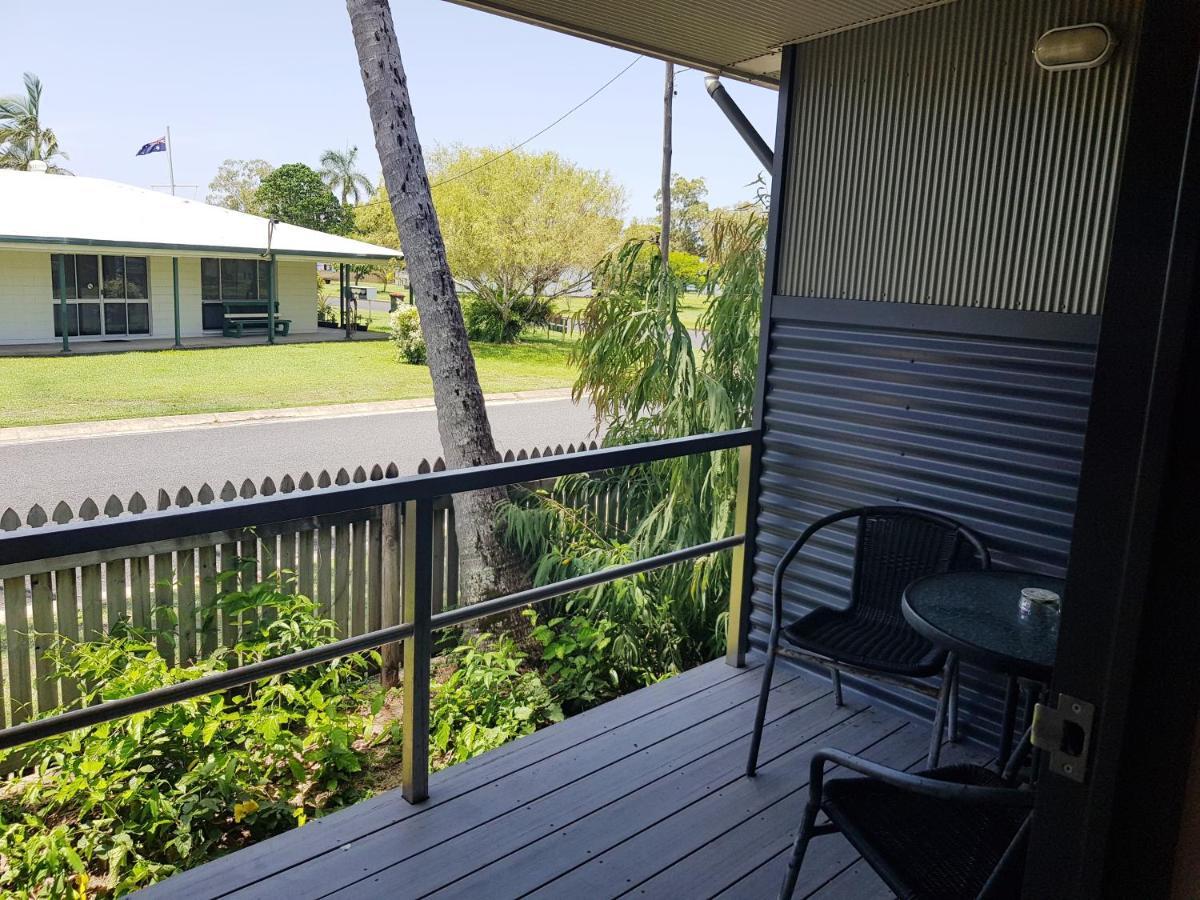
(1065, 732)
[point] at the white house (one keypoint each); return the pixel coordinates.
(140, 264)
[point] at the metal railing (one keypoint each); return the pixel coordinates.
(417, 494)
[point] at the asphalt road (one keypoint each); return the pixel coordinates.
(73, 469)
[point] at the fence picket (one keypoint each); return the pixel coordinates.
(115, 591)
(341, 579)
(42, 596)
(375, 574)
(67, 603)
(439, 557)
(226, 573)
(324, 597)
(164, 603)
(185, 580)
(92, 602)
(16, 623)
(358, 576)
(207, 559)
(139, 591)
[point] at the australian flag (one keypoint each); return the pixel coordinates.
(159, 145)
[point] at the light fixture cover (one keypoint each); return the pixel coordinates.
(1074, 47)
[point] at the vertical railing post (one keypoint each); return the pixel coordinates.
(735, 634)
(418, 584)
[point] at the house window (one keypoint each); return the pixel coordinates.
(222, 280)
(106, 294)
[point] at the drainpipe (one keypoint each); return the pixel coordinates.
(738, 119)
(62, 302)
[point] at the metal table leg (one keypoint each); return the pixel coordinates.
(1007, 723)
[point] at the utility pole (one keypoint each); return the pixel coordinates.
(665, 235)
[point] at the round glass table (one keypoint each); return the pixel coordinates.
(982, 616)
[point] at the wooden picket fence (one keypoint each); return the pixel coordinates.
(175, 586)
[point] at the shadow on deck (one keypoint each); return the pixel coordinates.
(643, 796)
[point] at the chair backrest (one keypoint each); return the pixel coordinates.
(897, 545)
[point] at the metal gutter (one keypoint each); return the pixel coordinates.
(22, 242)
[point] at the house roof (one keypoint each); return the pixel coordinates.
(71, 210)
(740, 39)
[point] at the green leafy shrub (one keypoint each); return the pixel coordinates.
(490, 698)
(578, 663)
(405, 327)
(110, 808)
(502, 321)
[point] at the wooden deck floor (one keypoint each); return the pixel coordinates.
(642, 796)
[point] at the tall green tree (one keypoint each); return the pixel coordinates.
(236, 183)
(295, 194)
(489, 567)
(646, 380)
(689, 213)
(23, 137)
(339, 170)
(522, 225)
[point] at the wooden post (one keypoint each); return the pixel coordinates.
(418, 583)
(62, 302)
(272, 300)
(175, 298)
(735, 632)
(390, 591)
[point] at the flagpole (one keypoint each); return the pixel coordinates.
(170, 160)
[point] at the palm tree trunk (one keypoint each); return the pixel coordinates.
(488, 568)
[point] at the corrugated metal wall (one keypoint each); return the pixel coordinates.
(987, 428)
(933, 161)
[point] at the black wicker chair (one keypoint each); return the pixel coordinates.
(951, 833)
(894, 546)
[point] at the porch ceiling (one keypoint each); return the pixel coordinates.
(739, 39)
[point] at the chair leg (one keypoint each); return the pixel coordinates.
(939, 717)
(837, 686)
(798, 850)
(760, 714)
(952, 726)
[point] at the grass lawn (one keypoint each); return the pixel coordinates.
(690, 307)
(47, 390)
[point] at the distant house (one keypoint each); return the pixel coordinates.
(116, 244)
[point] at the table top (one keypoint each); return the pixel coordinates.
(979, 615)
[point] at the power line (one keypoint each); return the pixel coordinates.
(532, 137)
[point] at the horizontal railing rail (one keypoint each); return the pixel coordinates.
(418, 494)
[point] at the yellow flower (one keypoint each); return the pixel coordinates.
(81, 886)
(241, 810)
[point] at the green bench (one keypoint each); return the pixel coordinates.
(243, 314)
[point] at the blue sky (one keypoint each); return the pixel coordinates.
(279, 80)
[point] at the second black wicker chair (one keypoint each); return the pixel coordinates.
(894, 546)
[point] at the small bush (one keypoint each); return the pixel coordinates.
(489, 699)
(502, 323)
(405, 327)
(577, 660)
(108, 809)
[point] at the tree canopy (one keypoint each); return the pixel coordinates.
(374, 223)
(522, 224)
(295, 194)
(689, 213)
(23, 137)
(236, 183)
(339, 170)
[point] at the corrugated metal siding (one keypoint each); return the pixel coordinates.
(988, 430)
(934, 162)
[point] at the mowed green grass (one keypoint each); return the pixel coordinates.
(49, 390)
(691, 305)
